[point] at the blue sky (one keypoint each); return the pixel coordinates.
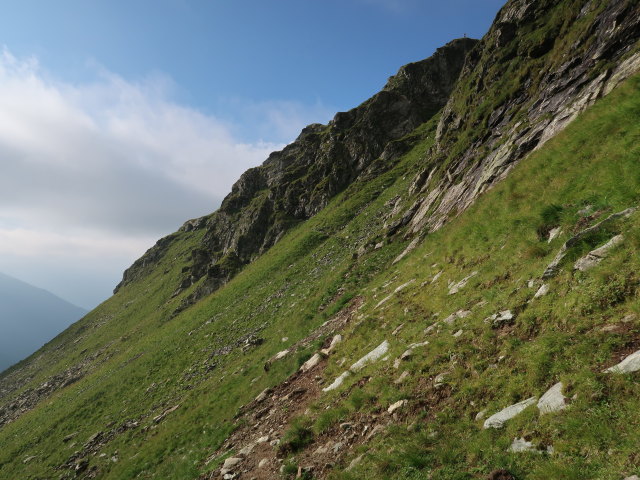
(121, 119)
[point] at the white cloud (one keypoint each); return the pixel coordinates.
(100, 170)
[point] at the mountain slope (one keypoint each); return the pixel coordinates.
(296, 183)
(29, 317)
(160, 383)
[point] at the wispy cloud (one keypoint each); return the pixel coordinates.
(102, 169)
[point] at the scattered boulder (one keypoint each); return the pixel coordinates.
(554, 233)
(370, 357)
(439, 380)
(334, 342)
(628, 365)
(163, 415)
(397, 405)
(553, 400)
(281, 355)
(459, 314)
(554, 267)
(594, 257)
(497, 420)
(231, 462)
(311, 363)
(500, 319)
(407, 354)
(397, 330)
(263, 463)
(403, 376)
(263, 395)
(458, 333)
(481, 414)
(337, 382)
(521, 445)
(414, 243)
(246, 451)
(542, 291)
(376, 430)
(278, 356)
(455, 287)
(397, 290)
(323, 449)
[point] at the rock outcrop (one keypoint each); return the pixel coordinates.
(297, 182)
(528, 78)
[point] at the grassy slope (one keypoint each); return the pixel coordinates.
(555, 338)
(286, 293)
(150, 362)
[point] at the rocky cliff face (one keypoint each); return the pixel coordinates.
(297, 182)
(538, 67)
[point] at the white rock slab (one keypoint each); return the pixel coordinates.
(455, 287)
(521, 445)
(312, 362)
(497, 420)
(553, 400)
(281, 355)
(370, 357)
(397, 290)
(231, 462)
(395, 406)
(628, 365)
(542, 291)
(459, 314)
(594, 257)
(554, 233)
(334, 343)
(337, 382)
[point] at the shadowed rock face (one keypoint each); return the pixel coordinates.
(298, 181)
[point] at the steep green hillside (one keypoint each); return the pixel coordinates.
(167, 382)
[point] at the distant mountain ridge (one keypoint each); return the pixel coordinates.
(29, 317)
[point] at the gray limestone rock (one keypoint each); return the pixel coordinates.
(311, 363)
(499, 319)
(553, 400)
(554, 233)
(231, 462)
(554, 267)
(542, 291)
(521, 445)
(629, 365)
(396, 406)
(594, 257)
(455, 287)
(497, 420)
(403, 376)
